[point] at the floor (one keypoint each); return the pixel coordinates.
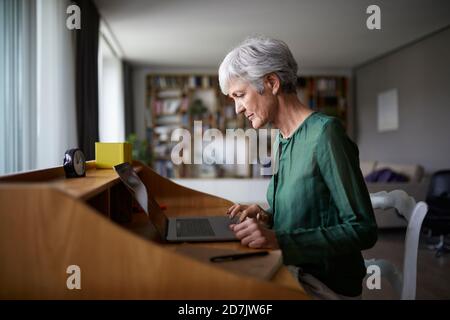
(433, 274)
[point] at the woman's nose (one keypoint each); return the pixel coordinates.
(239, 107)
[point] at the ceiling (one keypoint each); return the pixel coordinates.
(320, 33)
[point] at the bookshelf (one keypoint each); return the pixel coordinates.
(327, 94)
(178, 100)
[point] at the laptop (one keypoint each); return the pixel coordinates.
(179, 229)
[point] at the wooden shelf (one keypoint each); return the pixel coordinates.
(96, 181)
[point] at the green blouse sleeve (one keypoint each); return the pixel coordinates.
(338, 162)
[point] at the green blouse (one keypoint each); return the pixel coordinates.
(320, 206)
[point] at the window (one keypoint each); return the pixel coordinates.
(37, 84)
(111, 100)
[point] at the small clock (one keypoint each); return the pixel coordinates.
(74, 163)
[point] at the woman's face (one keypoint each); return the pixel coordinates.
(258, 109)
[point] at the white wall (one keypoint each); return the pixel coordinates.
(421, 74)
(245, 191)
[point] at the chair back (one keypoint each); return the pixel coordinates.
(403, 282)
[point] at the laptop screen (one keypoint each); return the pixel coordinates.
(145, 200)
(134, 184)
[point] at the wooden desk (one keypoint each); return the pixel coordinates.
(48, 222)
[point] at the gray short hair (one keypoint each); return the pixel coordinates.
(256, 57)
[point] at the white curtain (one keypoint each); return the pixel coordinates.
(17, 85)
(111, 114)
(37, 84)
(56, 118)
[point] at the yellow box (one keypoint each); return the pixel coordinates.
(109, 154)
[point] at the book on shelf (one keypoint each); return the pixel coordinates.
(168, 106)
(200, 81)
(163, 133)
(170, 93)
(164, 168)
(164, 82)
(326, 85)
(170, 119)
(148, 118)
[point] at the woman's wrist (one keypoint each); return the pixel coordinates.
(265, 218)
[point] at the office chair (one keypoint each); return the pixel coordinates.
(437, 221)
(404, 283)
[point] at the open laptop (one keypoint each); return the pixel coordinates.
(179, 229)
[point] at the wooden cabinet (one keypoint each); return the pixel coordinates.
(48, 223)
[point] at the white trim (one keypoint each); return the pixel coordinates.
(110, 39)
(244, 191)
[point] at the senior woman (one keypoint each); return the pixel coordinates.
(320, 213)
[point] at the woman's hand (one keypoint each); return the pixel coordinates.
(252, 211)
(254, 234)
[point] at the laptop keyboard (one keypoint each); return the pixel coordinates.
(194, 228)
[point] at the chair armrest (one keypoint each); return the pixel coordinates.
(418, 190)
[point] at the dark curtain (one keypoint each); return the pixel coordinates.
(87, 78)
(128, 98)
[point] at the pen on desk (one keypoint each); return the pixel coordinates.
(238, 256)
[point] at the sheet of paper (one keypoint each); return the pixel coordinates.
(263, 267)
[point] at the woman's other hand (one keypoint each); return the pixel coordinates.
(254, 234)
(248, 211)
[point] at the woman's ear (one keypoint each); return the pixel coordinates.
(273, 82)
